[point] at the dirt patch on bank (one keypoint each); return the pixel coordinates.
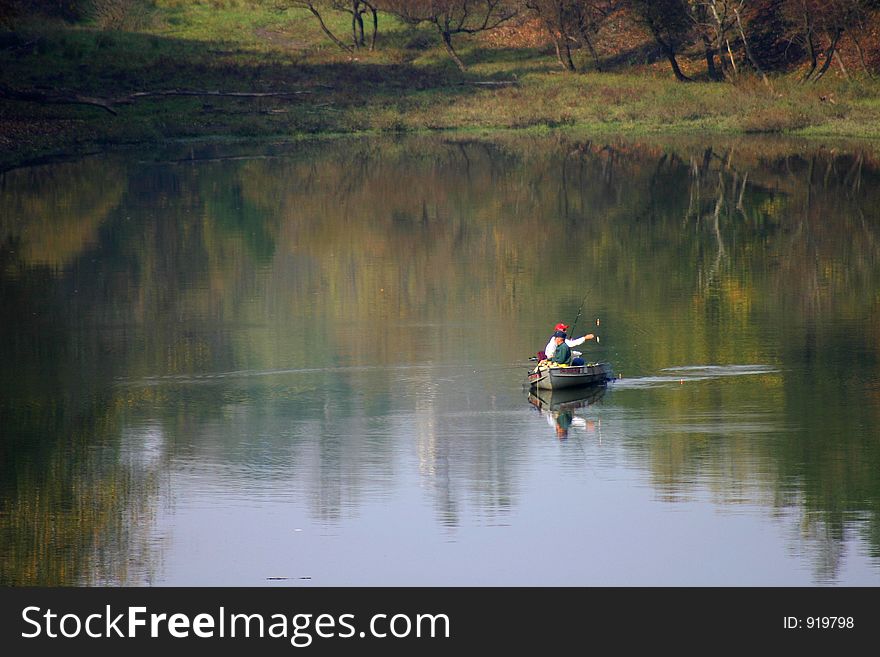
(280, 39)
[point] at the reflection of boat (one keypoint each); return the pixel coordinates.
(568, 399)
(559, 407)
(562, 377)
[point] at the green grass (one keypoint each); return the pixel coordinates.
(408, 84)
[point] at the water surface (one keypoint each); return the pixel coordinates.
(304, 366)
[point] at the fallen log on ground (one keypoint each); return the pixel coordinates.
(108, 104)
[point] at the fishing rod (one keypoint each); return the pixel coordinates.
(574, 323)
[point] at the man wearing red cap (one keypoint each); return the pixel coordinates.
(551, 346)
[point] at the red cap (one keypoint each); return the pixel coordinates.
(560, 327)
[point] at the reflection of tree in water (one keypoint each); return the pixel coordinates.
(810, 212)
(54, 213)
(72, 512)
(463, 473)
(358, 242)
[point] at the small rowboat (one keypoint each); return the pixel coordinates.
(560, 377)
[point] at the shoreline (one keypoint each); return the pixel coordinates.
(52, 154)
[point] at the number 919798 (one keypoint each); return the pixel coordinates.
(819, 623)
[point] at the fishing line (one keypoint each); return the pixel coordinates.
(574, 323)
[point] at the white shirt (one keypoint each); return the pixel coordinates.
(550, 349)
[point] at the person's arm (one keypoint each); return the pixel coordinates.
(576, 341)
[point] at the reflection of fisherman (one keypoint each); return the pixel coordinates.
(574, 342)
(562, 419)
(563, 422)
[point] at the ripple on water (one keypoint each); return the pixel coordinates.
(676, 375)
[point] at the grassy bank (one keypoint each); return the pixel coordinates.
(407, 84)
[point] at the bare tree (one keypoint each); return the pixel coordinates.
(715, 21)
(316, 7)
(452, 17)
(704, 27)
(821, 25)
(356, 8)
(670, 24)
(737, 13)
(553, 15)
(859, 27)
(723, 14)
(572, 23)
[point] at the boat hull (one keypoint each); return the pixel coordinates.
(562, 378)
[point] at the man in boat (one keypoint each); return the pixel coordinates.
(561, 351)
(551, 345)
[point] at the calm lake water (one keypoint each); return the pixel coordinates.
(304, 365)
